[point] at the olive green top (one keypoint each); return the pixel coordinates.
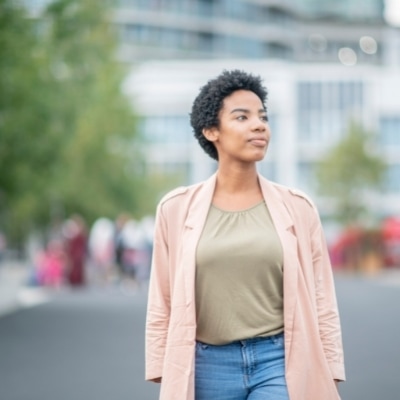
(239, 276)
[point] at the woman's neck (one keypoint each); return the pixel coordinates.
(237, 188)
(236, 181)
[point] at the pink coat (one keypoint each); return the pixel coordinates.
(313, 344)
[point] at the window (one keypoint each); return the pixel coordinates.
(236, 9)
(392, 181)
(205, 41)
(277, 50)
(389, 129)
(278, 16)
(167, 129)
(205, 7)
(324, 108)
(306, 176)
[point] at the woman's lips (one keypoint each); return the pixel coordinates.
(259, 142)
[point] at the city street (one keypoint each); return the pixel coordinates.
(89, 344)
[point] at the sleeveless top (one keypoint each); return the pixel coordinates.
(239, 276)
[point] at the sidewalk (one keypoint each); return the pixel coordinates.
(14, 291)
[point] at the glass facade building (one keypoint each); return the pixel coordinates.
(297, 30)
(354, 10)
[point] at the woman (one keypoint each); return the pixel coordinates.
(241, 299)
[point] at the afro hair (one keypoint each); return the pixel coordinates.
(209, 102)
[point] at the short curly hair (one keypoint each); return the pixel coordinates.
(209, 102)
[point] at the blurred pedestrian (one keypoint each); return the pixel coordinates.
(147, 225)
(242, 302)
(49, 265)
(101, 251)
(3, 245)
(135, 256)
(75, 233)
(119, 242)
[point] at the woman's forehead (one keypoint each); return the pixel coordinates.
(242, 99)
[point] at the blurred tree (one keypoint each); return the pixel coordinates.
(93, 176)
(25, 140)
(349, 171)
(68, 140)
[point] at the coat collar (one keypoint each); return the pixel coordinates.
(200, 205)
(202, 200)
(276, 205)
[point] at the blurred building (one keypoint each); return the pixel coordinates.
(354, 10)
(35, 7)
(295, 30)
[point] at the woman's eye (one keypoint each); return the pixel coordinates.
(241, 117)
(264, 118)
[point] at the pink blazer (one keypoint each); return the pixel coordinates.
(313, 344)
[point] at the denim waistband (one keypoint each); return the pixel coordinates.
(249, 341)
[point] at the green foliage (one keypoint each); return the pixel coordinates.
(349, 171)
(68, 141)
(22, 116)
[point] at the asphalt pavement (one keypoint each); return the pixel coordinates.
(89, 344)
(78, 345)
(369, 309)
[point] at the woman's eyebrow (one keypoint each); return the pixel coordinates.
(245, 110)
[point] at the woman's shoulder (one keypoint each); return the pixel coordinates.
(299, 204)
(292, 194)
(179, 192)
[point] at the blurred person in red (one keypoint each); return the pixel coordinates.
(76, 250)
(3, 245)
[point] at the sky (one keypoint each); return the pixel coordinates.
(392, 12)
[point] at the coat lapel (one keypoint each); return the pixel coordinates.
(194, 224)
(285, 228)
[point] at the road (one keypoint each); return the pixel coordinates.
(370, 316)
(79, 346)
(89, 345)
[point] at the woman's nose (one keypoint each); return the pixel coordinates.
(259, 125)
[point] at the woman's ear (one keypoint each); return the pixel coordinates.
(211, 134)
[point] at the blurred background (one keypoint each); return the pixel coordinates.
(95, 97)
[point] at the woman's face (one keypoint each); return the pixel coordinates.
(243, 133)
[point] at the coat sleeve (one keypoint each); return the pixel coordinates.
(327, 309)
(158, 306)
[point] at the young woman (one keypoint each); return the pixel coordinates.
(241, 300)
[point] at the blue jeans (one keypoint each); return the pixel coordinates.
(252, 369)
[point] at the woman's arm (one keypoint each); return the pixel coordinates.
(158, 307)
(327, 309)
